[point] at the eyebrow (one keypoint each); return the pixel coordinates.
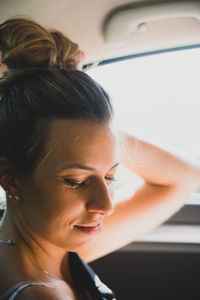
(82, 167)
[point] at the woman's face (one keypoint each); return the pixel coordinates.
(71, 190)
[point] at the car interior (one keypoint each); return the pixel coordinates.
(146, 54)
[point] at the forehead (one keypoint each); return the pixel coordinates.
(84, 142)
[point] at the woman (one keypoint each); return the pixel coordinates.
(58, 156)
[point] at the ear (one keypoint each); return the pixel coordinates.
(9, 179)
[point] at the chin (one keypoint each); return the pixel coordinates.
(81, 246)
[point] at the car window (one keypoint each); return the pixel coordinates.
(156, 97)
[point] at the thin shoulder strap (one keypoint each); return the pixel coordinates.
(14, 290)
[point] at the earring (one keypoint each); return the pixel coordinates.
(16, 197)
(8, 195)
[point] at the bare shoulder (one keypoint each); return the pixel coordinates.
(40, 292)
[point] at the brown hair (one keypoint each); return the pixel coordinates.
(41, 84)
(68, 53)
(24, 43)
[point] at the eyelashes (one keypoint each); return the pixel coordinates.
(80, 184)
(75, 184)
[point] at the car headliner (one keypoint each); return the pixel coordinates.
(83, 22)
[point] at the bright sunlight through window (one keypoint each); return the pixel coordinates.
(157, 97)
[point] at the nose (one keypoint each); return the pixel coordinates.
(101, 199)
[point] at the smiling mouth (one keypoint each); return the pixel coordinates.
(90, 229)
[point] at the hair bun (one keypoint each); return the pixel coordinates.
(26, 46)
(68, 53)
(24, 43)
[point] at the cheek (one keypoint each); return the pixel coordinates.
(54, 213)
(60, 202)
(46, 203)
(64, 205)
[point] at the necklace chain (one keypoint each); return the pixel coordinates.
(9, 243)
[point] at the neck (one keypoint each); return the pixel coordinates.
(36, 254)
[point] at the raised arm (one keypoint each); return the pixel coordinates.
(167, 181)
(158, 166)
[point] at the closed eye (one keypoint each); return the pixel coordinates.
(75, 184)
(110, 179)
(80, 184)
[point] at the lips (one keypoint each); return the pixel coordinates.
(90, 224)
(90, 228)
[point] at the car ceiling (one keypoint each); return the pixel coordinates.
(83, 22)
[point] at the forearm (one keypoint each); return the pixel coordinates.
(158, 166)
